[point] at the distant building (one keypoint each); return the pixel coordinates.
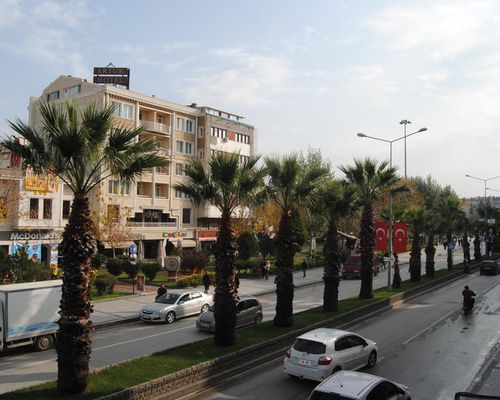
(472, 204)
(151, 208)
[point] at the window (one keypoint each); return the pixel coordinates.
(200, 154)
(180, 195)
(240, 137)
(179, 169)
(159, 119)
(47, 208)
(355, 341)
(53, 96)
(218, 132)
(180, 124)
(71, 91)
(184, 147)
(113, 212)
(115, 187)
(309, 346)
(179, 146)
(186, 215)
(189, 125)
(123, 110)
(200, 132)
(341, 344)
(66, 209)
(157, 190)
(33, 208)
(189, 148)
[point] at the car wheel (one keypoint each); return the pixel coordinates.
(204, 308)
(372, 359)
(43, 343)
(170, 317)
(258, 319)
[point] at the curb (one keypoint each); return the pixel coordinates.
(215, 371)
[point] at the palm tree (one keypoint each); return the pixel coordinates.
(227, 184)
(336, 200)
(415, 217)
(370, 179)
(450, 213)
(290, 185)
(82, 149)
(431, 227)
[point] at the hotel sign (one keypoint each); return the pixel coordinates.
(33, 236)
(112, 76)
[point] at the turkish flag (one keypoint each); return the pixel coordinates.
(400, 237)
(380, 235)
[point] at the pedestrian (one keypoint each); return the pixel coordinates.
(267, 267)
(206, 281)
(262, 267)
(236, 279)
(304, 267)
(161, 291)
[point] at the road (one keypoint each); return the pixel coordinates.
(426, 344)
(21, 367)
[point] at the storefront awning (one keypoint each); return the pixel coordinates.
(188, 243)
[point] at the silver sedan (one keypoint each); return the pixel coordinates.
(171, 306)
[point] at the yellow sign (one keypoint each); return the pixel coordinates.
(37, 183)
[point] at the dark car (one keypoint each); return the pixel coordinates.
(489, 267)
(248, 311)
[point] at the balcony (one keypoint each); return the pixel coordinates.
(155, 126)
(164, 152)
(151, 224)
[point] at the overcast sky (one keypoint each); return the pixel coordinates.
(304, 73)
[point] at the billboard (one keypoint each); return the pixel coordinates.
(111, 75)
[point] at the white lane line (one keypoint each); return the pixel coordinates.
(31, 364)
(429, 327)
(141, 338)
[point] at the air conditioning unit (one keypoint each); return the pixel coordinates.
(224, 139)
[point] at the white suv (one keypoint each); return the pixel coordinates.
(317, 354)
(352, 385)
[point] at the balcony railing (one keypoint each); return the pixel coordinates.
(151, 224)
(155, 126)
(164, 152)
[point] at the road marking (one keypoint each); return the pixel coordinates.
(429, 327)
(30, 364)
(141, 338)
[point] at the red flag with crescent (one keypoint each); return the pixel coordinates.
(380, 235)
(400, 237)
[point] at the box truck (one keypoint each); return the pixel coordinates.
(29, 313)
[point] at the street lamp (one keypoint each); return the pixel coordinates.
(362, 135)
(484, 180)
(405, 122)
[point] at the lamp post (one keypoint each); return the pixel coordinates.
(362, 135)
(405, 122)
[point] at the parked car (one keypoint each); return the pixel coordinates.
(248, 312)
(352, 266)
(171, 306)
(489, 267)
(352, 385)
(317, 354)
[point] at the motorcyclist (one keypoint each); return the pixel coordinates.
(468, 296)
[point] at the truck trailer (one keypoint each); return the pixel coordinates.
(29, 313)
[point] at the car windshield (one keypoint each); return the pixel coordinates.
(353, 261)
(316, 395)
(167, 298)
(309, 346)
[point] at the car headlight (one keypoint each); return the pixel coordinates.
(156, 311)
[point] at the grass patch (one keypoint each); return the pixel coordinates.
(96, 298)
(144, 369)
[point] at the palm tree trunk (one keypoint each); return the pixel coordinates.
(332, 268)
(367, 243)
(285, 251)
(449, 258)
(225, 285)
(430, 250)
(73, 338)
(477, 247)
(415, 258)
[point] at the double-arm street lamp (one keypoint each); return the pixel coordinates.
(362, 135)
(484, 180)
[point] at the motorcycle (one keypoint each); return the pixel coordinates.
(468, 306)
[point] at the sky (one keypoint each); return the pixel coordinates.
(303, 73)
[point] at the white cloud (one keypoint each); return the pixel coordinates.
(372, 84)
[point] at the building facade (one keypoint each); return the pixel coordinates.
(150, 209)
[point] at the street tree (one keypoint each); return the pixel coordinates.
(415, 217)
(82, 149)
(451, 212)
(335, 201)
(227, 184)
(369, 179)
(289, 186)
(432, 224)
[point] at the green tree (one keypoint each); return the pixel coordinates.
(266, 245)
(227, 184)
(82, 149)
(432, 224)
(336, 200)
(415, 217)
(247, 245)
(289, 186)
(451, 213)
(370, 179)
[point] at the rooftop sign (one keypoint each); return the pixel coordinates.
(112, 75)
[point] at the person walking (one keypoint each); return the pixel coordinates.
(206, 281)
(304, 267)
(161, 291)
(267, 267)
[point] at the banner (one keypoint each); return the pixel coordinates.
(400, 237)
(381, 234)
(34, 250)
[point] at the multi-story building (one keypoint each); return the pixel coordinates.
(152, 210)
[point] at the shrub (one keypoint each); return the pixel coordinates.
(247, 245)
(150, 269)
(104, 283)
(130, 269)
(114, 266)
(266, 244)
(98, 261)
(192, 260)
(193, 280)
